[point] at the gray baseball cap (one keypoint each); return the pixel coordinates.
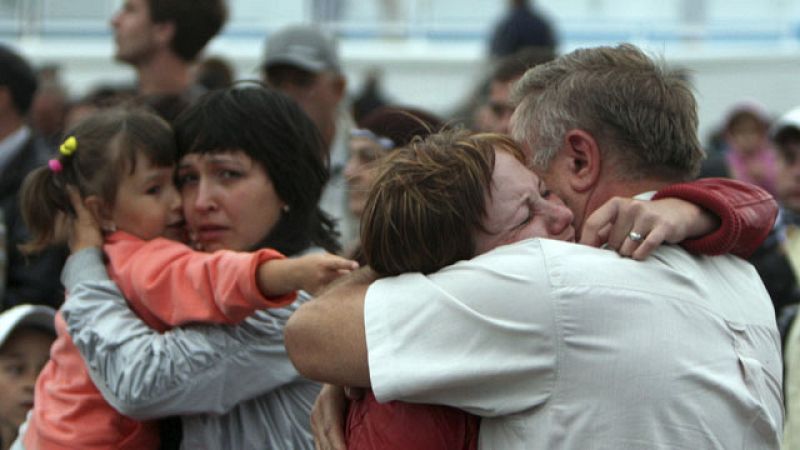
(33, 315)
(303, 46)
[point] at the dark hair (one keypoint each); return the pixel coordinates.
(215, 73)
(784, 139)
(742, 117)
(18, 76)
(513, 66)
(401, 124)
(107, 144)
(167, 106)
(428, 201)
(271, 129)
(196, 22)
(105, 96)
(279, 75)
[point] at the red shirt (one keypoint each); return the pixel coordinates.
(402, 426)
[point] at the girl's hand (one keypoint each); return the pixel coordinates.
(635, 228)
(315, 271)
(83, 230)
(310, 273)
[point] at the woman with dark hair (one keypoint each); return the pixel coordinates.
(250, 171)
(266, 133)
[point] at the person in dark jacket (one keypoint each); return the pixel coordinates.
(29, 279)
(520, 28)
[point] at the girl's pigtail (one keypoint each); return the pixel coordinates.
(44, 204)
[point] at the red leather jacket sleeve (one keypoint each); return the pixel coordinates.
(747, 213)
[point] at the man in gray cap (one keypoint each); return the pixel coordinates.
(303, 63)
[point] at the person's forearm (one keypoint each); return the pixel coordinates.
(168, 284)
(746, 212)
(276, 277)
(325, 338)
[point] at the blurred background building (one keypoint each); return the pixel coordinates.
(431, 53)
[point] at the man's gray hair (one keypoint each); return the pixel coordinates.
(642, 115)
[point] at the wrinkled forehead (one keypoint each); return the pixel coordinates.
(510, 174)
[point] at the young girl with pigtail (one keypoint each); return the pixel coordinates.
(121, 164)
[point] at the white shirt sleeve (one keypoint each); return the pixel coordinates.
(479, 335)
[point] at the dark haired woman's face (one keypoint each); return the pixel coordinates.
(229, 201)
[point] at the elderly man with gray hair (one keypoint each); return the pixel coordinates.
(558, 345)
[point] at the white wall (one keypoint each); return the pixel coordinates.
(743, 49)
(438, 76)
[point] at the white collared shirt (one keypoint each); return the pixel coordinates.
(563, 346)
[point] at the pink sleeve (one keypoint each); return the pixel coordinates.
(169, 284)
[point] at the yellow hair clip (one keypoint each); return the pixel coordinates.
(69, 146)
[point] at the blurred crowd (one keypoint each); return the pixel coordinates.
(302, 151)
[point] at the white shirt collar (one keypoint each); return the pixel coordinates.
(645, 195)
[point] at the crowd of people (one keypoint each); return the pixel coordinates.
(198, 262)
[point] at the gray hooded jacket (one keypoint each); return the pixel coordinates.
(233, 386)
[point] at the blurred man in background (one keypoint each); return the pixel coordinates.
(34, 279)
(161, 39)
(303, 62)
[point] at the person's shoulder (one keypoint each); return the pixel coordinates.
(532, 248)
(528, 259)
(727, 272)
(33, 152)
(566, 249)
(41, 149)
